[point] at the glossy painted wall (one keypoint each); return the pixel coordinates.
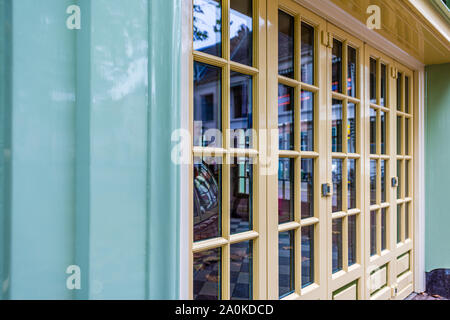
(85, 172)
(437, 175)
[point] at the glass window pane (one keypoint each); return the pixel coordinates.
(399, 176)
(241, 31)
(351, 72)
(241, 271)
(286, 117)
(352, 241)
(207, 275)
(399, 91)
(399, 135)
(407, 220)
(383, 132)
(337, 185)
(351, 127)
(399, 223)
(307, 255)
(337, 245)
(383, 100)
(407, 178)
(207, 20)
(336, 130)
(373, 233)
(241, 117)
(373, 131)
(286, 25)
(336, 60)
(307, 188)
(241, 193)
(351, 183)
(373, 80)
(383, 229)
(285, 190)
(207, 105)
(307, 57)
(286, 268)
(383, 180)
(407, 94)
(407, 136)
(307, 121)
(207, 198)
(373, 181)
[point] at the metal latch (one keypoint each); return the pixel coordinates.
(326, 189)
(394, 182)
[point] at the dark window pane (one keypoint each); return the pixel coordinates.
(383, 229)
(407, 178)
(337, 185)
(399, 176)
(207, 275)
(241, 271)
(406, 136)
(373, 181)
(351, 127)
(307, 255)
(241, 31)
(373, 131)
(286, 268)
(407, 94)
(241, 116)
(336, 60)
(383, 180)
(207, 198)
(307, 188)
(399, 135)
(307, 49)
(337, 245)
(399, 91)
(207, 105)
(286, 117)
(373, 233)
(286, 25)
(373, 80)
(285, 190)
(241, 188)
(307, 121)
(208, 26)
(407, 220)
(352, 241)
(399, 223)
(351, 183)
(383, 132)
(351, 71)
(383, 100)
(336, 130)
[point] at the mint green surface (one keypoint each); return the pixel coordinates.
(437, 167)
(89, 179)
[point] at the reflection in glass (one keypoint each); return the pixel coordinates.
(337, 185)
(207, 104)
(337, 245)
(399, 176)
(286, 268)
(241, 31)
(383, 180)
(241, 192)
(286, 117)
(241, 271)
(373, 131)
(399, 223)
(383, 132)
(351, 127)
(207, 198)
(207, 21)
(351, 183)
(241, 118)
(307, 49)
(207, 275)
(383, 97)
(307, 188)
(399, 91)
(307, 121)
(373, 80)
(336, 129)
(373, 233)
(407, 94)
(373, 181)
(399, 135)
(383, 229)
(407, 179)
(407, 220)
(336, 60)
(352, 241)
(285, 190)
(406, 136)
(307, 255)
(286, 25)
(351, 72)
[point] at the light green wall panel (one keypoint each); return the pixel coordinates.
(437, 167)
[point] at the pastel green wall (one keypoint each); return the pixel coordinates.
(83, 114)
(437, 167)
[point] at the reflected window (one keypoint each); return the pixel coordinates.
(383, 131)
(407, 220)
(351, 183)
(337, 253)
(383, 229)
(399, 135)
(351, 127)
(351, 72)
(307, 121)
(399, 223)
(241, 186)
(286, 24)
(241, 31)
(383, 180)
(207, 21)
(373, 131)
(383, 97)
(285, 117)
(373, 80)
(207, 275)
(399, 176)
(285, 190)
(407, 94)
(337, 185)
(373, 233)
(352, 240)
(307, 188)
(373, 181)
(307, 255)
(399, 91)
(241, 117)
(336, 129)
(336, 60)
(307, 49)
(286, 270)
(241, 271)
